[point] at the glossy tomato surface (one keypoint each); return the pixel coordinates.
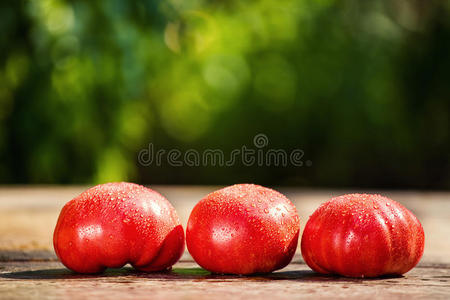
(362, 235)
(243, 229)
(112, 224)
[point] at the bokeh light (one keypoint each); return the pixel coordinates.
(362, 87)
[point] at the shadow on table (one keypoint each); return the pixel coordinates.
(128, 275)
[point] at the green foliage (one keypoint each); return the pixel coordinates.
(363, 87)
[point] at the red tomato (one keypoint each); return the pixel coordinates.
(243, 229)
(362, 235)
(112, 224)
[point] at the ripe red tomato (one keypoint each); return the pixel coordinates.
(112, 224)
(243, 229)
(360, 235)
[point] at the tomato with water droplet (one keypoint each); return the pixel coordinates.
(92, 234)
(262, 229)
(344, 244)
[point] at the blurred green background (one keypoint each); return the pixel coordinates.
(362, 87)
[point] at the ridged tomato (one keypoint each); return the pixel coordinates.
(112, 224)
(243, 229)
(361, 235)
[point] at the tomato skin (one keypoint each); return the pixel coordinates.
(362, 235)
(243, 229)
(112, 224)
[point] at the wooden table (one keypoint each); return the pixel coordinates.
(29, 269)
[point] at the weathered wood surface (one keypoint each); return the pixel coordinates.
(39, 280)
(29, 269)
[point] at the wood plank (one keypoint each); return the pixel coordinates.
(37, 280)
(29, 269)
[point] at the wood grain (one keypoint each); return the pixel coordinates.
(29, 269)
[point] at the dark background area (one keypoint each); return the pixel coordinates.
(361, 87)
